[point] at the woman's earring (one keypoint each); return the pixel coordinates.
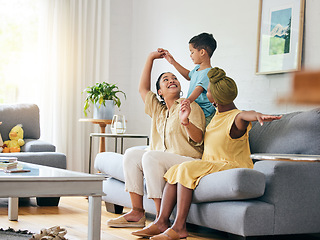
(215, 105)
(181, 93)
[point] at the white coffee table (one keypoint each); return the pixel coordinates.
(44, 181)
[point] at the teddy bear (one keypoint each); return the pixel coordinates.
(16, 140)
(1, 142)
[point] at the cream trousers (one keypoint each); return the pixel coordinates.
(149, 165)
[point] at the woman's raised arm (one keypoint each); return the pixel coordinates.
(145, 80)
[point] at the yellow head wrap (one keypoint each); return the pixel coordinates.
(223, 89)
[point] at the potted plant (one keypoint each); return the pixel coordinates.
(104, 97)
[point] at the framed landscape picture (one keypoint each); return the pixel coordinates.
(280, 34)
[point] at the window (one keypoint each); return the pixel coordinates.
(19, 50)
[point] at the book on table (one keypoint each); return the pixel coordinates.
(8, 163)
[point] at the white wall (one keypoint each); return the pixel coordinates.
(138, 27)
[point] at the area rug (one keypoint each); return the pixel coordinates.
(11, 234)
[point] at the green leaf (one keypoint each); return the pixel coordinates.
(100, 92)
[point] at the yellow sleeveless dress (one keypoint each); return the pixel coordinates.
(221, 152)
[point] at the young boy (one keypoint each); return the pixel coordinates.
(201, 48)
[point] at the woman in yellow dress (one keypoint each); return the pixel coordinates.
(226, 146)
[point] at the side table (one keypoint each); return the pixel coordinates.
(115, 136)
(102, 123)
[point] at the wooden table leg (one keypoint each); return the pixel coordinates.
(102, 146)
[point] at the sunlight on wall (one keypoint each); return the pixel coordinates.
(18, 47)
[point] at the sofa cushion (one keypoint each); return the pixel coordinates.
(290, 134)
(232, 184)
(25, 114)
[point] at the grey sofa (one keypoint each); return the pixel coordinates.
(34, 150)
(274, 198)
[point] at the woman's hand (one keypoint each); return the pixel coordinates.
(266, 118)
(167, 55)
(156, 55)
(193, 131)
(185, 110)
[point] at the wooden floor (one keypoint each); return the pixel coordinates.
(72, 214)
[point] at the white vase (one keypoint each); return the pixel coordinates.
(103, 111)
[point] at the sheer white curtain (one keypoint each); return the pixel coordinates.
(74, 41)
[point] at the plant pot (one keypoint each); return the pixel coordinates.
(103, 112)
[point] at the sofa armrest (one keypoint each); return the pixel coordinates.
(111, 164)
(294, 189)
(35, 145)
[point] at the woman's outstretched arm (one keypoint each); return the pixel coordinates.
(145, 80)
(243, 119)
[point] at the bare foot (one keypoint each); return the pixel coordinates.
(162, 224)
(133, 216)
(183, 233)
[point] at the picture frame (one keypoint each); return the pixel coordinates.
(280, 35)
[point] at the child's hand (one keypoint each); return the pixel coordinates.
(261, 118)
(185, 110)
(167, 55)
